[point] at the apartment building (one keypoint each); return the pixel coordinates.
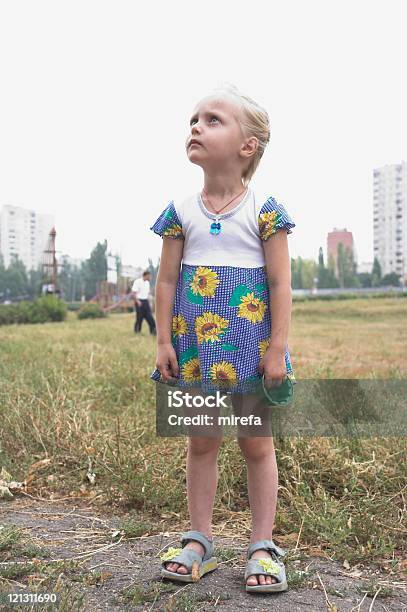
(24, 233)
(390, 218)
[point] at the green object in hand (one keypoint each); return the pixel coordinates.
(281, 395)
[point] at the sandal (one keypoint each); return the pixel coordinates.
(267, 567)
(198, 566)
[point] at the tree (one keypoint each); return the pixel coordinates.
(2, 279)
(65, 278)
(365, 279)
(95, 269)
(296, 276)
(118, 265)
(35, 283)
(346, 267)
(154, 272)
(376, 273)
(326, 276)
(308, 273)
(16, 281)
(391, 279)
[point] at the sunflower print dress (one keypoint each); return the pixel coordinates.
(221, 323)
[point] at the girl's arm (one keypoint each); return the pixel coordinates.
(166, 284)
(280, 295)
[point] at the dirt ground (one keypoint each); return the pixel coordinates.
(115, 572)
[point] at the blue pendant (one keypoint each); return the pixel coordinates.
(215, 228)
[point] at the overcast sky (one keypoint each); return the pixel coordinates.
(96, 98)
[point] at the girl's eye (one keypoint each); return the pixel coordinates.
(212, 117)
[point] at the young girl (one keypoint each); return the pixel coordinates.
(224, 275)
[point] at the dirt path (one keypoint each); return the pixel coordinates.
(100, 569)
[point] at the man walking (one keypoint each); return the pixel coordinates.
(140, 292)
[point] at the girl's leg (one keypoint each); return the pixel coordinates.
(202, 481)
(262, 480)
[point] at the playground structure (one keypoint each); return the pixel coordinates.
(111, 294)
(114, 296)
(114, 293)
(49, 266)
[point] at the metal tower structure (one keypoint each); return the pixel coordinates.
(49, 265)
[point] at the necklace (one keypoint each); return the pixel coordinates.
(215, 226)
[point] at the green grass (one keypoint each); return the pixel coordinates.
(45, 578)
(15, 542)
(78, 393)
(188, 601)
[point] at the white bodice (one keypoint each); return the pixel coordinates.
(238, 243)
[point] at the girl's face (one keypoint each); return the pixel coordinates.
(215, 124)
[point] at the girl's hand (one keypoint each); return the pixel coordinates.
(167, 361)
(272, 365)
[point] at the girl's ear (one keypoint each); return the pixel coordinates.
(250, 146)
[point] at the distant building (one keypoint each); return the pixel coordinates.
(75, 262)
(111, 269)
(334, 238)
(132, 272)
(24, 233)
(390, 218)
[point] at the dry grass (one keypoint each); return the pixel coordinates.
(78, 394)
(350, 339)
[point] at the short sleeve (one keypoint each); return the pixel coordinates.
(168, 223)
(273, 217)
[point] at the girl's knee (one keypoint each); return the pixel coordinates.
(203, 445)
(256, 448)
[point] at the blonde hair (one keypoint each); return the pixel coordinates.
(253, 119)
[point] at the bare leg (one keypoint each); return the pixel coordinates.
(202, 481)
(262, 481)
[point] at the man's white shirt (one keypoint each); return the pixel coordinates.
(142, 287)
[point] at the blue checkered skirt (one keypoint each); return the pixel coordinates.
(221, 327)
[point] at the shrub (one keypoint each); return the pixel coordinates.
(74, 306)
(46, 308)
(26, 312)
(51, 307)
(91, 311)
(7, 314)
